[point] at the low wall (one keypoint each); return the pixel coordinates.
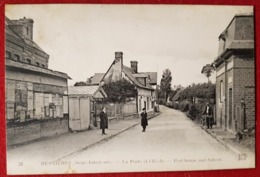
(30, 131)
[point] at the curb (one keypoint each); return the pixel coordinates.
(102, 140)
(220, 140)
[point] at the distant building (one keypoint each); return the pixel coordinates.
(36, 97)
(145, 81)
(235, 75)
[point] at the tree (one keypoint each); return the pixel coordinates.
(166, 83)
(204, 91)
(207, 70)
(119, 91)
(81, 83)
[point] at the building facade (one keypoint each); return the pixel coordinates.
(145, 82)
(36, 97)
(235, 75)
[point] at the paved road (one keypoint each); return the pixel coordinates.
(172, 142)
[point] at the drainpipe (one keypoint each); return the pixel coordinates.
(226, 91)
(68, 102)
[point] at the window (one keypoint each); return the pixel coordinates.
(140, 106)
(7, 54)
(92, 106)
(16, 57)
(221, 93)
(148, 104)
(43, 66)
(37, 64)
(28, 61)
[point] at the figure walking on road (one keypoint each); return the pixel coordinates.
(103, 120)
(209, 115)
(144, 121)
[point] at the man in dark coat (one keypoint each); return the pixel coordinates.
(103, 120)
(208, 112)
(144, 121)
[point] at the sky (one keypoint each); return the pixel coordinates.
(82, 39)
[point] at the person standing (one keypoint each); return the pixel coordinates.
(209, 116)
(144, 121)
(103, 120)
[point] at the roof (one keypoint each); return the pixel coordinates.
(16, 64)
(97, 78)
(11, 32)
(32, 43)
(236, 16)
(236, 45)
(177, 95)
(140, 75)
(130, 74)
(152, 76)
(242, 44)
(82, 90)
(90, 90)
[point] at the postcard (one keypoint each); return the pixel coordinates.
(98, 88)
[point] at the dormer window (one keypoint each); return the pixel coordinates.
(16, 57)
(37, 64)
(28, 61)
(43, 66)
(7, 54)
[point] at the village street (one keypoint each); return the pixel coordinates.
(172, 141)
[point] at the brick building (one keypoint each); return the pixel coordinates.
(235, 75)
(36, 97)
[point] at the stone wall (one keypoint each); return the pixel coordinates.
(29, 131)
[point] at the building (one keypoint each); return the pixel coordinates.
(145, 82)
(235, 75)
(82, 106)
(36, 96)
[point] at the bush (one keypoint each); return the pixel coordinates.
(184, 106)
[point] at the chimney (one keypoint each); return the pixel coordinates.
(134, 66)
(118, 57)
(23, 26)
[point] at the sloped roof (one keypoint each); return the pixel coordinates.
(242, 44)
(91, 90)
(82, 90)
(11, 32)
(97, 78)
(236, 16)
(130, 74)
(11, 63)
(140, 75)
(32, 43)
(152, 77)
(177, 95)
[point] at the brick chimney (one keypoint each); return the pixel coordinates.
(118, 57)
(23, 26)
(134, 66)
